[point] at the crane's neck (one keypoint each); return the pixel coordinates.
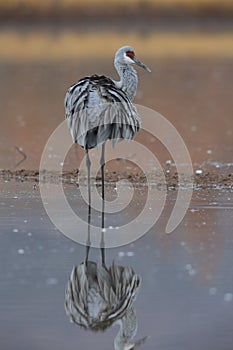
(128, 329)
(129, 79)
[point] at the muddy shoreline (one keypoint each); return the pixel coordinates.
(170, 181)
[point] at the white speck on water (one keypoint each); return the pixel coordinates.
(198, 171)
(29, 234)
(228, 297)
(209, 151)
(51, 281)
(40, 247)
(20, 251)
(121, 254)
(117, 228)
(130, 254)
(209, 277)
(15, 197)
(54, 250)
(110, 227)
(72, 250)
(193, 128)
(201, 246)
(15, 230)
(192, 272)
(103, 230)
(213, 291)
(188, 267)
(183, 244)
(25, 221)
(21, 122)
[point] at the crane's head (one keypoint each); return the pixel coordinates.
(129, 346)
(126, 55)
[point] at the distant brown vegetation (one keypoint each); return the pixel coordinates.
(114, 8)
(39, 45)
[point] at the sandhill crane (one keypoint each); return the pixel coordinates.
(97, 297)
(98, 108)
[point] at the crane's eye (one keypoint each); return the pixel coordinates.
(130, 54)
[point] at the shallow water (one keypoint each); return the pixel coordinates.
(186, 296)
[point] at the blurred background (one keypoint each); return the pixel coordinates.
(48, 45)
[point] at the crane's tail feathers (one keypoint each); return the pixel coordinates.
(91, 127)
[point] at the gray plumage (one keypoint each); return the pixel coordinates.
(98, 108)
(97, 296)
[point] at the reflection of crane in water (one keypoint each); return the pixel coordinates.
(98, 108)
(98, 296)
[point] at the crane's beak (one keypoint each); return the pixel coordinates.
(140, 64)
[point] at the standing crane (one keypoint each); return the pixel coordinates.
(98, 108)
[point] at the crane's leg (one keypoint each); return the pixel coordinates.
(102, 244)
(102, 248)
(88, 164)
(88, 242)
(102, 163)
